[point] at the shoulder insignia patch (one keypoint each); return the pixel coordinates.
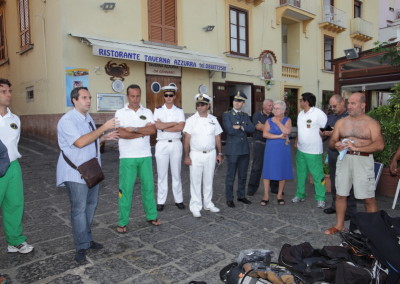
(14, 126)
(158, 107)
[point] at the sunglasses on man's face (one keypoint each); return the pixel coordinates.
(168, 95)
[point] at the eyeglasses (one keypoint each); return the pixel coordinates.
(200, 104)
(168, 95)
(5, 91)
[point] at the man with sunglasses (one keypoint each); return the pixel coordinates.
(169, 120)
(202, 134)
(237, 124)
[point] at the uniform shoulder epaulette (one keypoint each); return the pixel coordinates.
(158, 107)
(228, 111)
(179, 107)
(245, 113)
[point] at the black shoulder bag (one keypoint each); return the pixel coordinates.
(90, 171)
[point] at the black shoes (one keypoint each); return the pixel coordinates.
(160, 207)
(329, 210)
(95, 245)
(244, 200)
(180, 205)
(80, 256)
(230, 204)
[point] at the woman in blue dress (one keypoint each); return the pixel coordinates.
(277, 156)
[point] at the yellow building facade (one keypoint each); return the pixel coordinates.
(274, 49)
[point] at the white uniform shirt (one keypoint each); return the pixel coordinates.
(309, 141)
(138, 147)
(165, 114)
(10, 130)
(203, 131)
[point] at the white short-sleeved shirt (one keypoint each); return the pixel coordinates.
(138, 147)
(10, 130)
(203, 131)
(309, 141)
(174, 114)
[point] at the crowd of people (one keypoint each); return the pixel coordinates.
(348, 129)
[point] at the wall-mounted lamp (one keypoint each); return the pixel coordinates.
(106, 6)
(209, 28)
(351, 53)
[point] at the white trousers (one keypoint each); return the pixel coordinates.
(202, 169)
(169, 154)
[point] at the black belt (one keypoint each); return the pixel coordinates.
(358, 153)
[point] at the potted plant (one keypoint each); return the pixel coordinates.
(389, 118)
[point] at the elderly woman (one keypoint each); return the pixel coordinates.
(277, 157)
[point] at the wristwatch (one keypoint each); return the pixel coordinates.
(135, 130)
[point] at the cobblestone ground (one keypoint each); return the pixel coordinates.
(182, 249)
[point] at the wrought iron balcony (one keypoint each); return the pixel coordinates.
(333, 19)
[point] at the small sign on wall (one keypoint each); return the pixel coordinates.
(163, 70)
(110, 102)
(75, 77)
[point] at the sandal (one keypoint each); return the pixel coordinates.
(155, 222)
(281, 202)
(332, 231)
(121, 229)
(264, 202)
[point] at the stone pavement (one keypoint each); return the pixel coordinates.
(182, 249)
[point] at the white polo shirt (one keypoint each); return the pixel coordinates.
(308, 124)
(203, 131)
(10, 130)
(138, 147)
(174, 114)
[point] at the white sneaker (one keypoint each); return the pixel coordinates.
(196, 214)
(297, 200)
(212, 209)
(321, 204)
(21, 248)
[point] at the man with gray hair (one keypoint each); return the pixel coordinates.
(259, 119)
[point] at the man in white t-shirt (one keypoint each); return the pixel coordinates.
(309, 149)
(136, 126)
(11, 185)
(169, 120)
(202, 135)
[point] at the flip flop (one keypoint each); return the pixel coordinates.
(155, 222)
(332, 231)
(121, 229)
(264, 202)
(281, 202)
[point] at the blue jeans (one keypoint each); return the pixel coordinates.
(83, 202)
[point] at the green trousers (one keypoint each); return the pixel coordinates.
(12, 204)
(310, 163)
(129, 169)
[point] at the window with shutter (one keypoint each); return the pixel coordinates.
(238, 31)
(162, 21)
(3, 52)
(24, 26)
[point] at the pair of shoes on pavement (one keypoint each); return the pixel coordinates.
(80, 256)
(321, 204)
(21, 248)
(213, 209)
(160, 207)
(297, 199)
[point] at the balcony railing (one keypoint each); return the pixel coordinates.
(334, 16)
(360, 28)
(305, 5)
(290, 71)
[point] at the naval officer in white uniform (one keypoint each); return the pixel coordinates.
(170, 121)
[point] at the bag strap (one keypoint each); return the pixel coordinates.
(69, 161)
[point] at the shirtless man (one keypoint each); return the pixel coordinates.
(357, 166)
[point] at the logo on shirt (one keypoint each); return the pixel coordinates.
(142, 117)
(14, 126)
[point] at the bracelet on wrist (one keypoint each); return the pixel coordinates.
(220, 154)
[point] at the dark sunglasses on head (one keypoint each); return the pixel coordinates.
(168, 95)
(200, 104)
